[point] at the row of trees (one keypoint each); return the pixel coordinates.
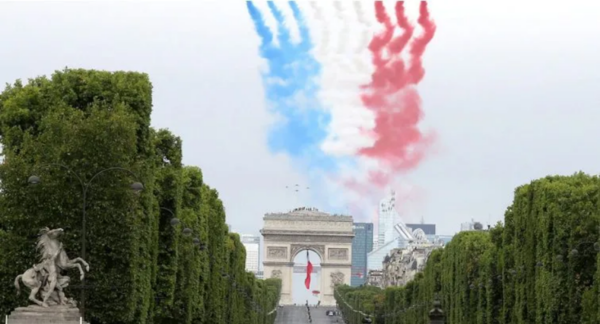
(69, 128)
(540, 266)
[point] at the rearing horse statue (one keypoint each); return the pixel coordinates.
(46, 275)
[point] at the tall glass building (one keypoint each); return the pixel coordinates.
(362, 244)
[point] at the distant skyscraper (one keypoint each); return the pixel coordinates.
(252, 245)
(387, 217)
(362, 244)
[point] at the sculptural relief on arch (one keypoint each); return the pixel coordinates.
(276, 274)
(337, 278)
(277, 252)
(329, 236)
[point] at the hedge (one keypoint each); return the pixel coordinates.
(539, 266)
(142, 268)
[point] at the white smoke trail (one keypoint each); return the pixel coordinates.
(317, 9)
(342, 57)
(366, 34)
(344, 71)
(323, 46)
(344, 33)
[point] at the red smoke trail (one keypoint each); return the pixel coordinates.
(379, 42)
(399, 144)
(416, 71)
(398, 44)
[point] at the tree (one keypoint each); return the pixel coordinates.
(143, 269)
(168, 191)
(56, 121)
(540, 266)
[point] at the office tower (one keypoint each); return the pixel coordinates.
(252, 245)
(362, 244)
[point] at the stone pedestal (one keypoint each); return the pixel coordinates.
(50, 315)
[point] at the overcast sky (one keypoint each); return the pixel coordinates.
(511, 90)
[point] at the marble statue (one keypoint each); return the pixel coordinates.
(46, 277)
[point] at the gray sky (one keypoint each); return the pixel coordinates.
(511, 90)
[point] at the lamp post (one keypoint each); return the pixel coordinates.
(136, 187)
(574, 252)
(436, 315)
(186, 230)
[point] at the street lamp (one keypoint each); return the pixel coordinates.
(574, 252)
(186, 231)
(174, 221)
(33, 180)
(136, 187)
(436, 315)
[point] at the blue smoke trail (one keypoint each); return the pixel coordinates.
(291, 89)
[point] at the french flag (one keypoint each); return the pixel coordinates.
(309, 269)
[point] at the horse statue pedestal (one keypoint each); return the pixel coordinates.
(45, 315)
(45, 279)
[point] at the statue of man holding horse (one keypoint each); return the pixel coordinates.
(46, 277)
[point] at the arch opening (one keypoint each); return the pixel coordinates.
(300, 294)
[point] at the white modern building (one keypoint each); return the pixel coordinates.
(398, 238)
(252, 245)
(375, 258)
(443, 238)
(387, 219)
(403, 238)
(466, 226)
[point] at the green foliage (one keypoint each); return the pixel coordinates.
(541, 266)
(69, 128)
(168, 190)
(217, 233)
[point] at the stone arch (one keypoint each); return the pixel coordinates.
(298, 248)
(286, 235)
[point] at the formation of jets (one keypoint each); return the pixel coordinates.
(296, 187)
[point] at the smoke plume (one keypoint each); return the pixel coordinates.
(290, 83)
(399, 145)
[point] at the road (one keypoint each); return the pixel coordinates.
(299, 315)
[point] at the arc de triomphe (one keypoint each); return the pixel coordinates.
(288, 234)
